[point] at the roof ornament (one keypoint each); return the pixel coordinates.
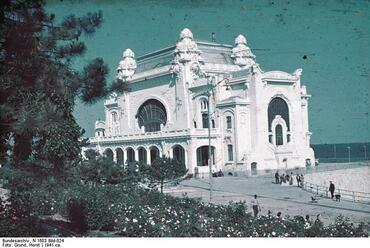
(127, 66)
(187, 52)
(241, 53)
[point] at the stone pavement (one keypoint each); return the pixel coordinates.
(290, 200)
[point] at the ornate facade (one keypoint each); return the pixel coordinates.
(258, 120)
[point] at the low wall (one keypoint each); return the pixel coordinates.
(350, 183)
(354, 179)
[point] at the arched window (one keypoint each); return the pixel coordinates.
(142, 155)
(279, 135)
(276, 107)
(204, 113)
(109, 154)
(179, 153)
(119, 154)
(130, 155)
(205, 122)
(230, 153)
(154, 153)
(254, 168)
(202, 155)
(229, 124)
(204, 105)
(114, 117)
(151, 115)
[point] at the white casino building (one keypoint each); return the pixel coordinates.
(259, 120)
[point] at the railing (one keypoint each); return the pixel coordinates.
(320, 190)
(154, 135)
(145, 135)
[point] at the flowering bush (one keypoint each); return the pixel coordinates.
(129, 210)
(136, 212)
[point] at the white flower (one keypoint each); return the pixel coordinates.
(274, 233)
(134, 220)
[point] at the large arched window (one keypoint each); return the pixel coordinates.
(151, 115)
(276, 107)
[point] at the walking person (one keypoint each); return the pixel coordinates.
(277, 177)
(282, 179)
(255, 206)
(302, 180)
(332, 189)
(298, 178)
(291, 179)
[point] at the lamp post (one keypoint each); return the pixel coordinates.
(209, 93)
(209, 143)
(365, 152)
(349, 154)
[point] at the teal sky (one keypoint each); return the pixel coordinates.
(334, 35)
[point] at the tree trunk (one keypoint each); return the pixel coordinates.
(22, 148)
(161, 186)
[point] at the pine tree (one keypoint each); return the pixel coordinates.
(166, 169)
(39, 85)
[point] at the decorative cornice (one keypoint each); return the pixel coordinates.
(157, 72)
(280, 76)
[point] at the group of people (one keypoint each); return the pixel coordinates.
(257, 208)
(288, 179)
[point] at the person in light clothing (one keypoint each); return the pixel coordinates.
(255, 206)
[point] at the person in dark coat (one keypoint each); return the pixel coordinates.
(331, 189)
(277, 177)
(298, 178)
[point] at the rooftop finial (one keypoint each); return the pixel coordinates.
(127, 66)
(186, 33)
(187, 52)
(128, 53)
(241, 53)
(240, 39)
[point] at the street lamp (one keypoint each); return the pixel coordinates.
(209, 93)
(365, 152)
(349, 154)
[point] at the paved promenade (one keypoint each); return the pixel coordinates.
(290, 200)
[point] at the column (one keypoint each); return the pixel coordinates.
(148, 158)
(124, 155)
(136, 154)
(114, 155)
